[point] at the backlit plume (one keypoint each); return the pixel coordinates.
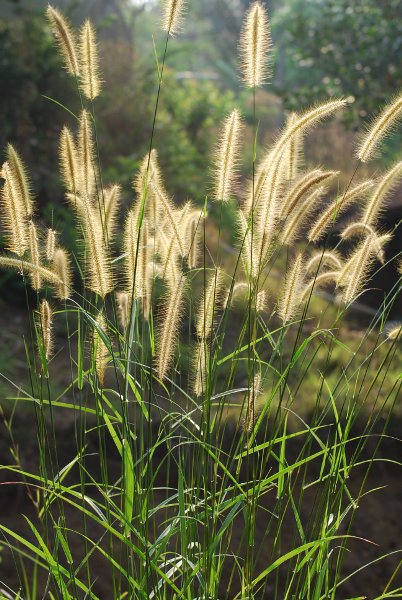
(255, 45)
(173, 16)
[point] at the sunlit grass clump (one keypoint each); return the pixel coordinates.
(201, 396)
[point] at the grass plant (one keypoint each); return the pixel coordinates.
(223, 428)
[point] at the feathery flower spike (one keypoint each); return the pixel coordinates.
(101, 351)
(395, 333)
(19, 174)
(45, 327)
(293, 290)
(65, 38)
(227, 157)
(169, 328)
(208, 304)
(62, 269)
(36, 281)
(387, 183)
(379, 129)
(13, 217)
(50, 244)
(255, 45)
(173, 11)
(86, 156)
(69, 161)
(89, 62)
(336, 208)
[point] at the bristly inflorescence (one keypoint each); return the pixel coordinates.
(66, 39)
(255, 46)
(227, 157)
(381, 126)
(173, 12)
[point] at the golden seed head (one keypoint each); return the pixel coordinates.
(169, 328)
(336, 208)
(291, 296)
(99, 268)
(86, 173)
(173, 13)
(20, 177)
(209, 303)
(89, 62)
(201, 363)
(379, 129)
(255, 46)
(383, 189)
(226, 160)
(51, 243)
(101, 351)
(69, 161)
(36, 280)
(45, 326)
(123, 308)
(62, 268)
(395, 333)
(13, 213)
(65, 38)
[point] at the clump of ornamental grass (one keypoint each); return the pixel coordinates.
(162, 342)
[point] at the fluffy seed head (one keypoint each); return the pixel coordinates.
(192, 236)
(123, 308)
(173, 12)
(89, 62)
(379, 129)
(227, 155)
(13, 213)
(112, 203)
(20, 176)
(101, 351)
(137, 246)
(69, 161)
(320, 281)
(99, 278)
(211, 298)
(65, 37)
(86, 156)
(201, 362)
(261, 301)
(25, 266)
(255, 46)
(395, 333)
(355, 272)
(301, 187)
(292, 293)
(169, 328)
(36, 280)
(254, 392)
(322, 259)
(299, 215)
(362, 230)
(336, 208)
(45, 326)
(385, 186)
(292, 154)
(169, 212)
(50, 244)
(62, 269)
